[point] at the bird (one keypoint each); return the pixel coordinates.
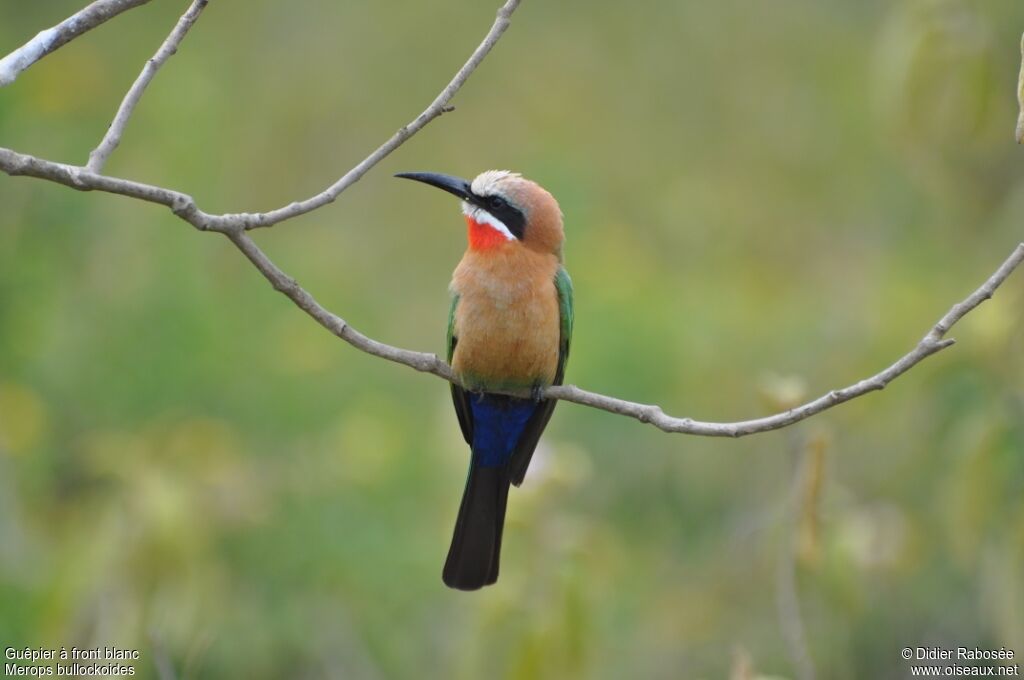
(509, 328)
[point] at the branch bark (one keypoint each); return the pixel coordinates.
(235, 226)
(101, 153)
(421, 361)
(76, 177)
(57, 36)
(931, 343)
(1020, 95)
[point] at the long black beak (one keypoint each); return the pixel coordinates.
(453, 185)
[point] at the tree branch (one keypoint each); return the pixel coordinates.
(53, 38)
(234, 226)
(931, 343)
(169, 47)
(421, 361)
(436, 108)
(1020, 95)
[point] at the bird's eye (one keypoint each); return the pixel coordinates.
(496, 202)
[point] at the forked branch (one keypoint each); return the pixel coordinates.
(110, 140)
(235, 226)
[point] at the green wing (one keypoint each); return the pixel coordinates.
(459, 396)
(539, 420)
(563, 284)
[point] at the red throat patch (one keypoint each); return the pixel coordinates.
(483, 236)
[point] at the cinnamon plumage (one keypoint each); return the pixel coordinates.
(509, 329)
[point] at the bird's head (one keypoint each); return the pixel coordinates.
(503, 210)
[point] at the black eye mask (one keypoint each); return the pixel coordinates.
(510, 216)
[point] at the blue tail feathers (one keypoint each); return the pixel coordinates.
(475, 552)
(499, 422)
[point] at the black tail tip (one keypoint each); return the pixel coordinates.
(475, 552)
(469, 575)
(466, 582)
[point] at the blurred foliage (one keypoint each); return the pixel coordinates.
(190, 466)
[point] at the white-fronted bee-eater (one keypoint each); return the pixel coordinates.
(508, 330)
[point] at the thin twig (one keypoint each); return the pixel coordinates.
(169, 47)
(84, 179)
(1020, 95)
(931, 343)
(437, 107)
(51, 39)
(421, 361)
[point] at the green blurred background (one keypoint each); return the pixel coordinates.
(763, 201)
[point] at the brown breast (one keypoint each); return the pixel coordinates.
(507, 319)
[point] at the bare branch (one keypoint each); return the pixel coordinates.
(50, 39)
(169, 47)
(436, 108)
(421, 361)
(930, 344)
(234, 226)
(429, 363)
(85, 179)
(16, 164)
(1020, 95)
(182, 205)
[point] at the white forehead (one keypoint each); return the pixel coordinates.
(488, 183)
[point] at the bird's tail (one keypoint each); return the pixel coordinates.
(476, 544)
